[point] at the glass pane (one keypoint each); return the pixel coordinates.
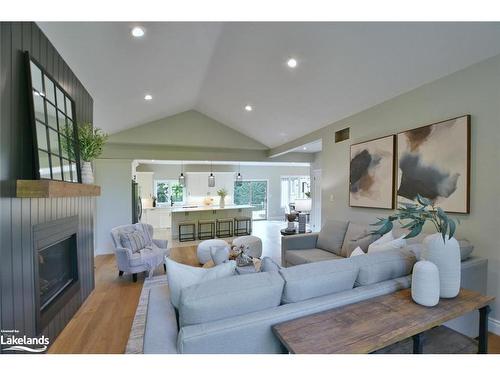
(39, 109)
(66, 170)
(60, 99)
(43, 160)
(36, 77)
(74, 175)
(51, 116)
(41, 136)
(54, 141)
(50, 93)
(69, 111)
(62, 121)
(64, 147)
(56, 167)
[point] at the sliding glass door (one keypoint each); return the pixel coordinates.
(252, 192)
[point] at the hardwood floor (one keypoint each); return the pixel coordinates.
(102, 325)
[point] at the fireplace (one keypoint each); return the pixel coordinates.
(56, 267)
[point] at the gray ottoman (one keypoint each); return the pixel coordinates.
(203, 251)
(254, 244)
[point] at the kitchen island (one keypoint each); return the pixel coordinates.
(195, 213)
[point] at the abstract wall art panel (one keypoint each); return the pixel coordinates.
(434, 161)
(371, 174)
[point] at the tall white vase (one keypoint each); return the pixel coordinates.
(446, 256)
(222, 202)
(87, 174)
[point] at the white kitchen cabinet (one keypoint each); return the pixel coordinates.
(159, 217)
(146, 186)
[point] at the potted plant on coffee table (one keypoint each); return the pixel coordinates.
(440, 248)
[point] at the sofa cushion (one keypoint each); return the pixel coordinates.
(181, 276)
(269, 265)
(318, 279)
(384, 265)
(134, 241)
(296, 257)
(395, 244)
(466, 249)
(357, 235)
(219, 299)
(331, 236)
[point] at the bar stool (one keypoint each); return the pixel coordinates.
(189, 235)
(239, 229)
(221, 232)
(206, 234)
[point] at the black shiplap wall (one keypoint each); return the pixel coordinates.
(17, 216)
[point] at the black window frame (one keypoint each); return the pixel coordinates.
(36, 159)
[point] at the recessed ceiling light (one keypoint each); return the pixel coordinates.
(148, 97)
(248, 108)
(304, 148)
(138, 32)
(292, 63)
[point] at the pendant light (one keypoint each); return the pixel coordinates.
(182, 179)
(211, 178)
(239, 177)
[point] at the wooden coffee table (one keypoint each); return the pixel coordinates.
(373, 324)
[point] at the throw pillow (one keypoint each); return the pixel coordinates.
(388, 237)
(396, 244)
(219, 254)
(331, 236)
(357, 235)
(181, 276)
(357, 251)
(134, 241)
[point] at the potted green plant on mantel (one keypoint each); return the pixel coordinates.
(440, 248)
(222, 193)
(91, 141)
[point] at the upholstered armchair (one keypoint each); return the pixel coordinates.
(146, 259)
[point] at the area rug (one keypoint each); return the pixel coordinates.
(135, 344)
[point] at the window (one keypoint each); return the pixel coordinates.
(253, 193)
(167, 191)
(294, 187)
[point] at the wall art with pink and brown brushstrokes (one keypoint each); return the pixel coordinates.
(371, 174)
(434, 161)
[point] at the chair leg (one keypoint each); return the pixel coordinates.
(134, 277)
(120, 273)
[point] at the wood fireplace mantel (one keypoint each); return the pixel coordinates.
(54, 189)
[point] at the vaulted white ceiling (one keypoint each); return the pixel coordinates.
(218, 68)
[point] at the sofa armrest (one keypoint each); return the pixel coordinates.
(162, 244)
(298, 242)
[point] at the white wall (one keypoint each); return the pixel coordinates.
(114, 206)
(475, 91)
(271, 173)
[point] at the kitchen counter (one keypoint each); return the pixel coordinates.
(209, 208)
(196, 213)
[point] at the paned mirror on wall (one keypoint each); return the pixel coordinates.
(54, 127)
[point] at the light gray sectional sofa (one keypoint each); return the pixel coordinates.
(235, 314)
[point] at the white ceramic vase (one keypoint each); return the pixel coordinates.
(87, 174)
(446, 256)
(222, 202)
(425, 283)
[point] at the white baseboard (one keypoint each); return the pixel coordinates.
(494, 326)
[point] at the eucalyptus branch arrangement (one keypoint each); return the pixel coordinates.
(91, 141)
(417, 214)
(222, 193)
